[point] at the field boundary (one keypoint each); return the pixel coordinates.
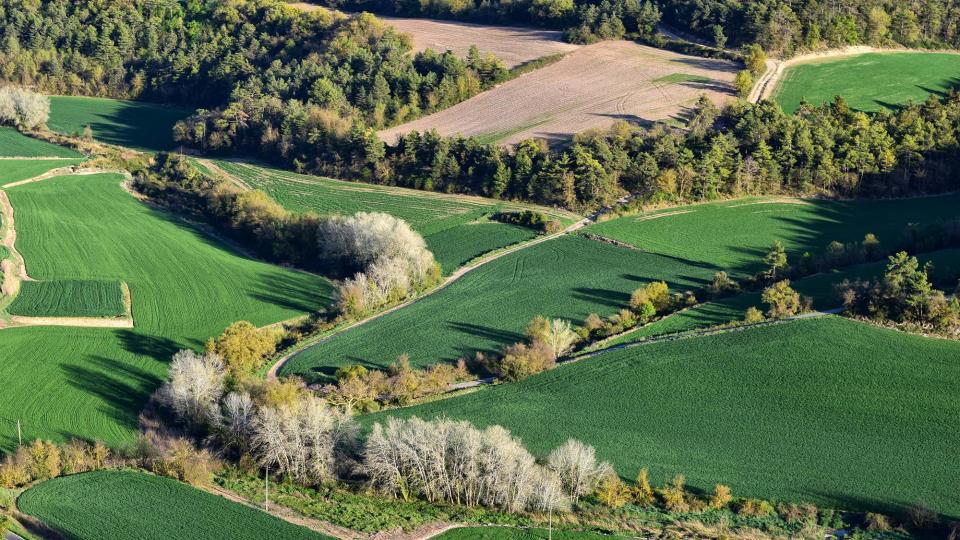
(767, 84)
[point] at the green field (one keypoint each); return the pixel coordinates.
(186, 286)
(734, 235)
(134, 124)
(568, 277)
(69, 298)
(869, 82)
(825, 410)
(14, 170)
(455, 227)
(15, 144)
(512, 533)
(127, 504)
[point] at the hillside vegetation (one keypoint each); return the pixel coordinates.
(127, 504)
(827, 410)
(456, 228)
(869, 82)
(188, 286)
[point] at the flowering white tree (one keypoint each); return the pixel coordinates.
(194, 387)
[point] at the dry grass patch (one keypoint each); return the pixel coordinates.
(591, 87)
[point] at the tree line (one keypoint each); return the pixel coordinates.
(745, 149)
(780, 26)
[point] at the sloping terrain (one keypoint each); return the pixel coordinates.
(825, 410)
(591, 87)
(185, 286)
(456, 228)
(127, 504)
(134, 124)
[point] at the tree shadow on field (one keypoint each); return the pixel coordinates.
(156, 347)
(122, 388)
(629, 118)
(295, 292)
(899, 509)
(486, 332)
(606, 297)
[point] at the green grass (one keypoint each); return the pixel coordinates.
(819, 287)
(185, 285)
(127, 504)
(14, 170)
(69, 298)
(869, 82)
(734, 235)
(134, 124)
(568, 277)
(513, 533)
(15, 144)
(455, 227)
(825, 410)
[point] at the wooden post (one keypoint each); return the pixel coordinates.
(19, 434)
(266, 489)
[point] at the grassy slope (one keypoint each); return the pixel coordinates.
(869, 82)
(126, 504)
(185, 287)
(827, 410)
(69, 298)
(454, 227)
(139, 125)
(14, 144)
(568, 277)
(734, 235)
(12, 170)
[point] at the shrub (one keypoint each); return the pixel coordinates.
(520, 361)
(657, 293)
(755, 508)
(674, 496)
(613, 492)
(753, 316)
(782, 300)
(877, 522)
(642, 492)
(723, 284)
(243, 347)
(721, 497)
(922, 516)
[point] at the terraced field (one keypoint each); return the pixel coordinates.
(734, 235)
(568, 277)
(134, 124)
(127, 504)
(869, 82)
(455, 227)
(824, 410)
(69, 298)
(15, 144)
(186, 286)
(591, 87)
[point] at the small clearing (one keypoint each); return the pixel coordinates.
(591, 87)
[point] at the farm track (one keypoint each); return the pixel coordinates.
(215, 169)
(591, 87)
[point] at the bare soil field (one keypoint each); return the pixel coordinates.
(591, 87)
(513, 45)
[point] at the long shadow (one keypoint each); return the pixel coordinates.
(606, 297)
(486, 332)
(123, 388)
(156, 347)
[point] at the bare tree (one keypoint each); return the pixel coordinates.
(560, 337)
(576, 465)
(23, 108)
(236, 420)
(194, 387)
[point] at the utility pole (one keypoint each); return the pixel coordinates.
(266, 489)
(19, 434)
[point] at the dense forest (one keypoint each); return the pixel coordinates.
(745, 149)
(780, 26)
(206, 53)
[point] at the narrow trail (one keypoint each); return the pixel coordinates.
(15, 267)
(217, 170)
